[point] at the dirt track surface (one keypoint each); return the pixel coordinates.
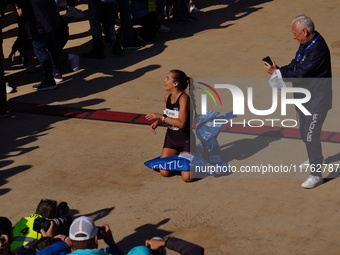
(97, 166)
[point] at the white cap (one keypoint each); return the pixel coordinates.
(82, 225)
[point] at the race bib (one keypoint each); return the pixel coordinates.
(172, 114)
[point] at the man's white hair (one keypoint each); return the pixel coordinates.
(304, 22)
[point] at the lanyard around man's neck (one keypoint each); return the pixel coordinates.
(302, 51)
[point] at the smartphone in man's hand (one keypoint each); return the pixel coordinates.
(268, 60)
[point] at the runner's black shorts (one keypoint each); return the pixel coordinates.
(178, 140)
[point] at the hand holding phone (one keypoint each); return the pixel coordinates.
(268, 60)
(100, 231)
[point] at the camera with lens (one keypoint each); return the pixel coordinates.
(2, 240)
(62, 222)
(100, 230)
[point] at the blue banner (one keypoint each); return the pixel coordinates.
(208, 149)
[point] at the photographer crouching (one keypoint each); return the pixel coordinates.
(83, 240)
(48, 220)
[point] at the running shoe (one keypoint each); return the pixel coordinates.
(45, 86)
(9, 89)
(58, 77)
(312, 182)
(192, 8)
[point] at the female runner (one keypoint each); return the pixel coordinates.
(177, 117)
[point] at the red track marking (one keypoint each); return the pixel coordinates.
(113, 116)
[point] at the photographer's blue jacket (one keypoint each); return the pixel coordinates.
(312, 63)
(61, 248)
